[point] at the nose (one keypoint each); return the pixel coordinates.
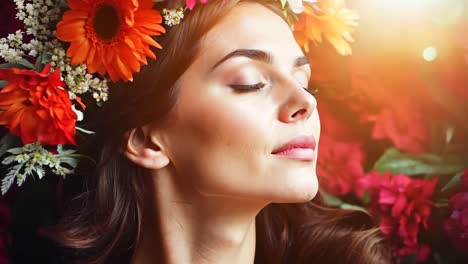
(298, 105)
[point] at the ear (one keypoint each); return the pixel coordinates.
(145, 150)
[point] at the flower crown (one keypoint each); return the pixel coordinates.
(75, 48)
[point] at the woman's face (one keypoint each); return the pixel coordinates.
(242, 98)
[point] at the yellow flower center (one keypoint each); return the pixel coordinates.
(106, 22)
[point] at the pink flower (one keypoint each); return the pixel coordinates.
(456, 225)
(191, 3)
(403, 206)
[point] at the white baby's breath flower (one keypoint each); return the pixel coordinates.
(36, 16)
(173, 17)
(11, 47)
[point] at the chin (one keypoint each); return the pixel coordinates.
(298, 190)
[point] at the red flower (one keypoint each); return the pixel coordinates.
(340, 163)
(456, 225)
(340, 166)
(404, 124)
(36, 107)
(403, 206)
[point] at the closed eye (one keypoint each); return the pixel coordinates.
(247, 87)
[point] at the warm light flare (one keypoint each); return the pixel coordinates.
(440, 11)
(408, 27)
(430, 54)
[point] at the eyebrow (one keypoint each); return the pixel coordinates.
(258, 55)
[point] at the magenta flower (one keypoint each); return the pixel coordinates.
(403, 206)
(191, 3)
(456, 225)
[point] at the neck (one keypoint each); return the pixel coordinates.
(193, 228)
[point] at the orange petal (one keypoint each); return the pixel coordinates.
(107, 60)
(72, 15)
(146, 4)
(148, 16)
(149, 40)
(78, 4)
(98, 60)
(74, 47)
(81, 53)
(78, 99)
(122, 69)
(90, 59)
(71, 31)
(130, 57)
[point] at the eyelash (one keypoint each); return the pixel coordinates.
(246, 87)
(260, 85)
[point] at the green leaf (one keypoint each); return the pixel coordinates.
(22, 64)
(366, 197)
(3, 84)
(330, 200)
(352, 207)
(43, 59)
(40, 172)
(283, 3)
(8, 160)
(15, 151)
(38, 65)
(11, 65)
(396, 162)
(10, 177)
(26, 64)
(73, 162)
(61, 150)
(454, 182)
(7, 182)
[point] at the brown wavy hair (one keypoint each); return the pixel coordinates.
(102, 224)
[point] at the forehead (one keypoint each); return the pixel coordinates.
(250, 25)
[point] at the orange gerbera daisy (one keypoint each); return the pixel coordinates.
(328, 19)
(111, 36)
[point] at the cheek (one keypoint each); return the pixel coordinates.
(218, 144)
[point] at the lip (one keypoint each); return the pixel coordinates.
(301, 148)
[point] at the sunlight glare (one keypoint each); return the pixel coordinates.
(430, 53)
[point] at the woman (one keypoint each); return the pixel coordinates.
(209, 155)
